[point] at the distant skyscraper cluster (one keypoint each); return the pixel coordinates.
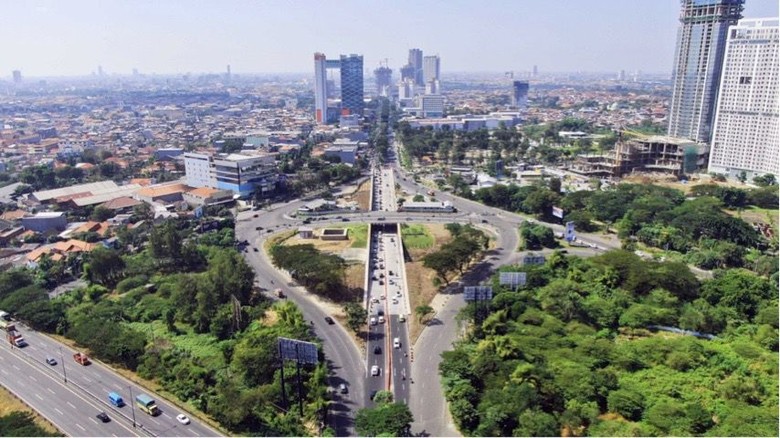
(745, 135)
(725, 88)
(701, 42)
(350, 68)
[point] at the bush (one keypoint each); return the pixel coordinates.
(131, 283)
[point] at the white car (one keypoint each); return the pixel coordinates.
(375, 370)
(183, 419)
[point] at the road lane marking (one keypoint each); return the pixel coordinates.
(59, 411)
(93, 420)
(168, 416)
(80, 427)
(16, 367)
(87, 379)
(32, 378)
(70, 404)
(50, 390)
(39, 396)
(4, 371)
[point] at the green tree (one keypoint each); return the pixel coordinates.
(422, 312)
(356, 315)
(392, 419)
(627, 403)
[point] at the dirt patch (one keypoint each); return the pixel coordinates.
(361, 196)
(419, 279)
(672, 182)
(9, 403)
(270, 318)
(329, 246)
(356, 277)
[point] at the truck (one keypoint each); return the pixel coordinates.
(14, 336)
(147, 404)
(81, 358)
(5, 316)
(116, 399)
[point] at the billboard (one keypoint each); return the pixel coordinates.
(293, 349)
(569, 234)
(511, 279)
(477, 293)
(557, 212)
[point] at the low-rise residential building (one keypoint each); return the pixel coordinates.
(45, 222)
(207, 196)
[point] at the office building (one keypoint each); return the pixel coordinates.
(431, 66)
(745, 133)
(520, 94)
(17, 75)
(535, 71)
(320, 88)
(383, 77)
(432, 105)
(407, 72)
(432, 87)
(241, 174)
(352, 84)
(701, 43)
(416, 62)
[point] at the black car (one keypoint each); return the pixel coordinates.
(329, 320)
(377, 350)
(372, 395)
(103, 417)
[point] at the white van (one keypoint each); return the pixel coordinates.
(372, 321)
(396, 343)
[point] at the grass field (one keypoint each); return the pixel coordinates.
(358, 235)
(416, 236)
(203, 346)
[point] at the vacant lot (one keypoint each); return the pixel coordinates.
(420, 240)
(357, 237)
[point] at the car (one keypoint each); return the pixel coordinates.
(380, 312)
(375, 300)
(402, 318)
(390, 273)
(255, 215)
(373, 277)
(372, 321)
(375, 370)
(255, 250)
(398, 294)
(381, 319)
(183, 419)
(395, 300)
(397, 343)
(258, 228)
(345, 220)
(381, 275)
(51, 361)
(377, 350)
(381, 283)
(103, 417)
(372, 394)
(329, 320)
(343, 388)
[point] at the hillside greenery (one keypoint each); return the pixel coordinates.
(578, 352)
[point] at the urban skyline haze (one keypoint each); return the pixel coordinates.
(50, 38)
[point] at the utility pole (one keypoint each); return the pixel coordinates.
(64, 374)
(132, 402)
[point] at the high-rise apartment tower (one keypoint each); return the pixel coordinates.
(745, 135)
(701, 42)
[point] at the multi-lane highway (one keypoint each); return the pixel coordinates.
(90, 384)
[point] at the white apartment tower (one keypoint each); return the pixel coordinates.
(320, 88)
(431, 67)
(745, 135)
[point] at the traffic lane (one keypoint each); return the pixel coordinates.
(401, 358)
(71, 412)
(98, 380)
(342, 356)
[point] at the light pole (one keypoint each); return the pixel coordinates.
(132, 402)
(64, 374)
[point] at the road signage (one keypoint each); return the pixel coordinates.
(557, 212)
(569, 234)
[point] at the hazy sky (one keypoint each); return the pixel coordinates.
(73, 37)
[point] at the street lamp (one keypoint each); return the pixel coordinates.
(132, 402)
(64, 374)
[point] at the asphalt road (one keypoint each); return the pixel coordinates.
(68, 408)
(94, 382)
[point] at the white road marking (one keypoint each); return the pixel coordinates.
(33, 378)
(50, 390)
(70, 404)
(38, 395)
(59, 411)
(16, 367)
(93, 420)
(4, 371)
(87, 379)
(80, 427)
(167, 416)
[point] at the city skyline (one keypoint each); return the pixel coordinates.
(51, 39)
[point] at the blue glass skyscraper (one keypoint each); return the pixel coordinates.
(351, 85)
